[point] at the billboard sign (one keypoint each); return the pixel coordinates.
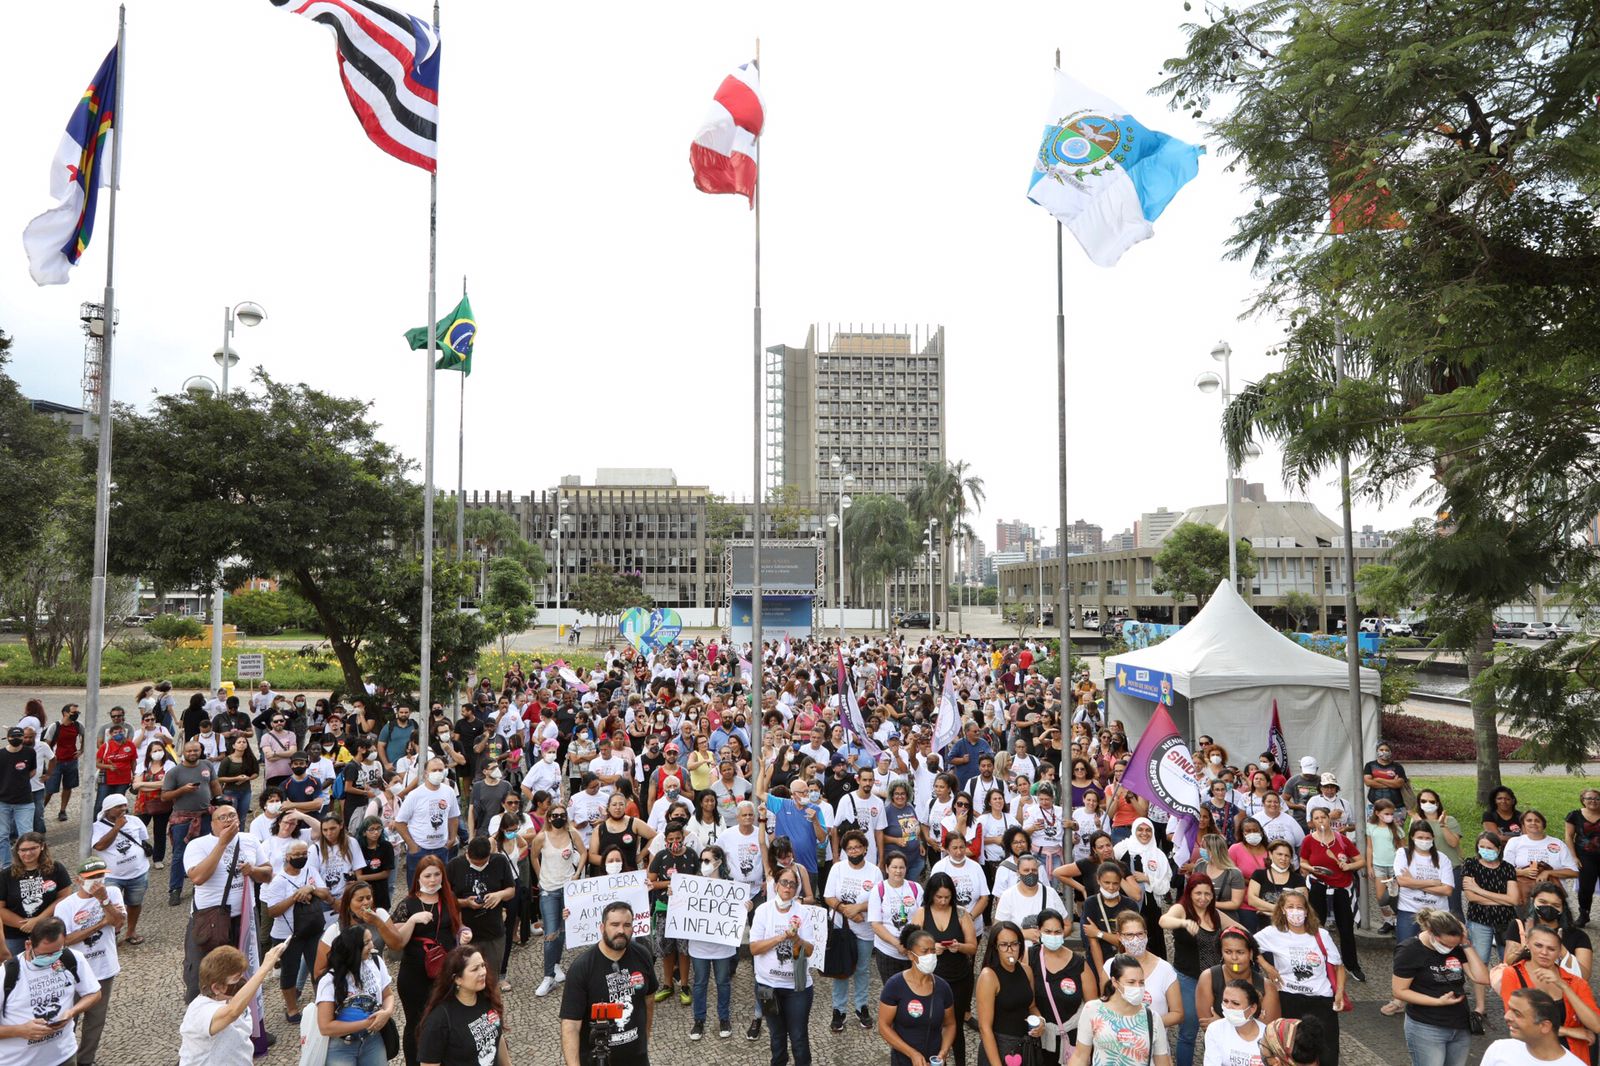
(784, 568)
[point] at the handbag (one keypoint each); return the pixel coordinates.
(1345, 1004)
(143, 844)
(1018, 1050)
(213, 927)
(839, 957)
(391, 1040)
(313, 1045)
(433, 952)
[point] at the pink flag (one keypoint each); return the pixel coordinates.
(1161, 769)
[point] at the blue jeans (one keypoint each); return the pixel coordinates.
(39, 798)
(555, 929)
(790, 1027)
(702, 973)
(180, 835)
(15, 819)
(861, 979)
(240, 798)
(1189, 1027)
(1405, 926)
(103, 790)
(365, 1049)
(1119, 833)
(1434, 1045)
(1484, 941)
(412, 860)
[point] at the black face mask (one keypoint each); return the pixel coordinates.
(1547, 913)
(296, 863)
(558, 820)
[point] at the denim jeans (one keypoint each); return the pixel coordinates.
(790, 1027)
(412, 860)
(1189, 1027)
(555, 930)
(102, 790)
(1434, 1045)
(703, 969)
(15, 819)
(39, 798)
(180, 835)
(365, 1049)
(861, 979)
(1405, 926)
(1483, 941)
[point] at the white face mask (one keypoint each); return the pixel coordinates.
(274, 808)
(1295, 917)
(1252, 839)
(1423, 843)
(1235, 1017)
(1264, 764)
(549, 756)
(1052, 941)
(1429, 808)
(491, 774)
(927, 963)
(1133, 997)
(396, 787)
(1441, 949)
(708, 869)
(1216, 760)
(613, 867)
(435, 777)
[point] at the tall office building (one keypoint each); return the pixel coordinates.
(1153, 526)
(873, 396)
(1084, 537)
(1011, 536)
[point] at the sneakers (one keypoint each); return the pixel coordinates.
(61, 816)
(175, 897)
(544, 987)
(1386, 929)
(698, 1031)
(754, 1032)
(864, 1017)
(724, 1028)
(838, 1022)
(663, 992)
(1356, 973)
(684, 997)
(561, 975)
(161, 864)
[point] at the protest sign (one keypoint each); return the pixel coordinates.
(709, 909)
(587, 897)
(815, 933)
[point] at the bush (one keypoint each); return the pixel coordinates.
(174, 628)
(1425, 740)
(186, 668)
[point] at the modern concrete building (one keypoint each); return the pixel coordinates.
(79, 422)
(1153, 525)
(873, 396)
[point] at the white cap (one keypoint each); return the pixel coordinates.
(1308, 765)
(112, 802)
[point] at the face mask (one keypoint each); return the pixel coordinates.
(1277, 865)
(856, 860)
(927, 963)
(708, 869)
(158, 757)
(1111, 893)
(1216, 760)
(1264, 764)
(814, 799)
(1029, 879)
(1386, 818)
(1488, 854)
(1423, 843)
(613, 867)
(1383, 756)
(491, 775)
(549, 756)
(1133, 997)
(1429, 808)
(558, 820)
(396, 788)
(1135, 944)
(298, 771)
(44, 962)
(300, 705)
(1235, 1017)
(1052, 941)
(1252, 839)
(1295, 917)
(435, 777)
(1441, 949)
(273, 808)
(296, 863)
(1547, 913)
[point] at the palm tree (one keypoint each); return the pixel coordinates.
(949, 493)
(879, 538)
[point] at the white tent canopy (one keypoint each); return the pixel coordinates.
(1228, 666)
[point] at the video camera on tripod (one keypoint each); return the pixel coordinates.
(603, 1019)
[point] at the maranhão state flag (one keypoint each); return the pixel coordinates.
(723, 154)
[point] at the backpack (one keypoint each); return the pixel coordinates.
(69, 959)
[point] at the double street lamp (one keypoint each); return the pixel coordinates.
(836, 522)
(1209, 383)
(244, 313)
(929, 541)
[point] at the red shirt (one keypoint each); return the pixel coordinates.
(1025, 660)
(121, 758)
(67, 734)
(1314, 852)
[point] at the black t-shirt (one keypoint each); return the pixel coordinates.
(16, 774)
(1586, 834)
(1433, 974)
(467, 882)
(1270, 890)
(630, 981)
(918, 1019)
(663, 866)
(438, 928)
(1572, 938)
(454, 1034)
(1377, 769)
(1507, 827)
(33, 892)
(470, 731)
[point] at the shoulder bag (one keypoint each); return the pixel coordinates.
(839, 957)
(213, 927)
(1344, 1004)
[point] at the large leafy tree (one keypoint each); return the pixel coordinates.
(35, 468)
(1193, 560)
(879, 540)
(289, 481)
(949, 492)
(1456, 144)
(507, 600)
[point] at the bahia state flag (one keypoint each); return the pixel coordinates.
(1103, 174)
(455, 332)
(57, 239)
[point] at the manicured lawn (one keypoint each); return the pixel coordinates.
(1553, 793)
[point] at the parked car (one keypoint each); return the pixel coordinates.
(1564, 629)
(1540, 631)
(1386, 627)
(1509, 630)
(1092, 623)
(915, 620)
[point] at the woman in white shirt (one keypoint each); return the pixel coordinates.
(712, 959)
(216, 1027)
(992, 824)
(1425, 878)
(889, 907)
(1311, 974)
(338, 856)
(705, 826)
(1537, 856)
(1236, 1036)
(779, 944)
(1042, 820)
(355, 1000)
(1161, 992)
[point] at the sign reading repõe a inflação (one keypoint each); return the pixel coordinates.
(708, 909)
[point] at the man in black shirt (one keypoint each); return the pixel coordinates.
(470, 730)
(18, 763)
(483, 881)
(616, 970)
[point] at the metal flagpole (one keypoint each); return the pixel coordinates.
(461, 459)
(757, 685)
(425, 678)
(1352, 634)
(102, 476)
(1063, 585)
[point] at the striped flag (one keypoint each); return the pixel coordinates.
(723, 154)
(389, 63)
(947, 725)
(1277, 744)
(850, 720)
(57, 239)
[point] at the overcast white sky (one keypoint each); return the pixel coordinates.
(613, 300)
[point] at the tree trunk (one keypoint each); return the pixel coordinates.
(343, 649)
(1485, 729)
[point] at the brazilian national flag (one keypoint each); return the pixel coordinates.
(455, 333)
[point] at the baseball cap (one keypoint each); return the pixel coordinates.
(14, 733)
(92, 869)
(1330, 779)
(1308, 765)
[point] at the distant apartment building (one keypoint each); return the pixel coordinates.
(1153, 526)
(1010, 536)
(1121, 542)
(1084, 537)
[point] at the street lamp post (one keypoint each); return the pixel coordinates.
(845, 480)
(1209, 383)
(929, 541)
(561, 520)
(245, 313)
